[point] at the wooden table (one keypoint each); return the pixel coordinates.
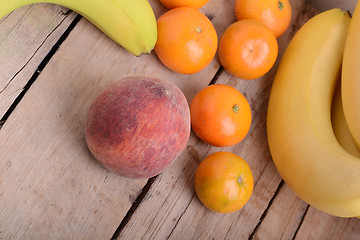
(53, 63)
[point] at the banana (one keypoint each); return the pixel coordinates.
(130, 23)
(340, 127)
(351, 76)
(301, 139)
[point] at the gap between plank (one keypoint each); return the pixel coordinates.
(301, 222)
(41, 66)
(251, 236)
(216, 76)
(133, 207)
(177, 222)
(13, 77)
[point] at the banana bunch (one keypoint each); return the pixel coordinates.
(130, 23)
(300, 131)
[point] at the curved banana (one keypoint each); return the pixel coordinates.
(300, 135)
(340, 127)
(351, 77)
(130, 23)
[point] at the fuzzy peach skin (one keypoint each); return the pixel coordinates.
(138, 126)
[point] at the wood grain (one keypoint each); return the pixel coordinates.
(26, 37)
(50, 184)
(319, 225)
(52, 188)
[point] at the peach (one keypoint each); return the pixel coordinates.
(138, 126)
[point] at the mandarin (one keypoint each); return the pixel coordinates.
(247, 49)
(275, 14)
(187, 40)
(220, 115)
(223, 182)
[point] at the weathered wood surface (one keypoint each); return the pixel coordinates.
(52, 188)
(26, 37)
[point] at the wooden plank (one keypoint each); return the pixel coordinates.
(283, 217)
(319, 225)
(51, 187)
(26, 37)
(291, 218)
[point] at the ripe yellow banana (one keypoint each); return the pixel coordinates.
(340, 127)
(351, 76)
(301, 139)
(130, 23)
